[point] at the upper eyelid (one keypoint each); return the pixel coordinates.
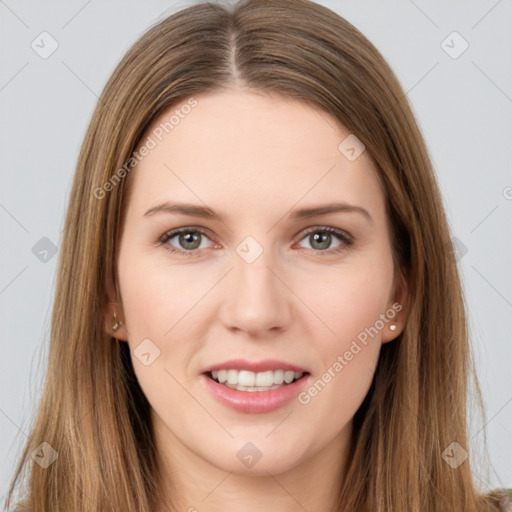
(174, 232)
(329, 229)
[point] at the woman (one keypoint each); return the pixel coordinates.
(255, 302)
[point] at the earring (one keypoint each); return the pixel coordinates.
(117, 324)
(392, 327)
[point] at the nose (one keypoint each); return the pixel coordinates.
(256, 300)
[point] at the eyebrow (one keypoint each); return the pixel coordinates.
(302, 213)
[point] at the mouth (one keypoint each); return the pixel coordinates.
(250, 386)
(249, 381)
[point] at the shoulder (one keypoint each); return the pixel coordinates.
(503, 499)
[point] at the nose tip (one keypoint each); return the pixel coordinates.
(256, 301)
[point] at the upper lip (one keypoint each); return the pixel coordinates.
(255, 366)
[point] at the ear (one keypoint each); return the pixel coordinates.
(114, 306)
(397, 311)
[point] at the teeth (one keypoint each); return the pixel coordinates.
(232, 377)
(261, 378)
(251, 381)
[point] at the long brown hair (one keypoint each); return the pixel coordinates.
(93, 412)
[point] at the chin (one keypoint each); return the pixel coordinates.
(257, 457)
(273, 464)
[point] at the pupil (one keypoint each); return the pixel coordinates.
(189, 240)
(323, 239)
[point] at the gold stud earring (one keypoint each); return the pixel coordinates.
(117, 324)
(392, 327)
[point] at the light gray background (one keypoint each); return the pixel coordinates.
(463, 105)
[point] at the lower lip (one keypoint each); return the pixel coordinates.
(255, 401)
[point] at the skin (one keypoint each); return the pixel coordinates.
(254, 159)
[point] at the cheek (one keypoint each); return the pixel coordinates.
(348, 301)
(165, 304)
(156, 294)
(351, 306)
(157, 301)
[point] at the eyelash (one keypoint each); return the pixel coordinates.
(345, 239)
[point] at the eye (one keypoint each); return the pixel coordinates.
(321, 238)
(187, 241)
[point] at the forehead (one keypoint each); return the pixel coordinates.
(251, 150)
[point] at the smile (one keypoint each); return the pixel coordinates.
(254, 398)
(246, 380)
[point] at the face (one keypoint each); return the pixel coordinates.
(255, 248)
